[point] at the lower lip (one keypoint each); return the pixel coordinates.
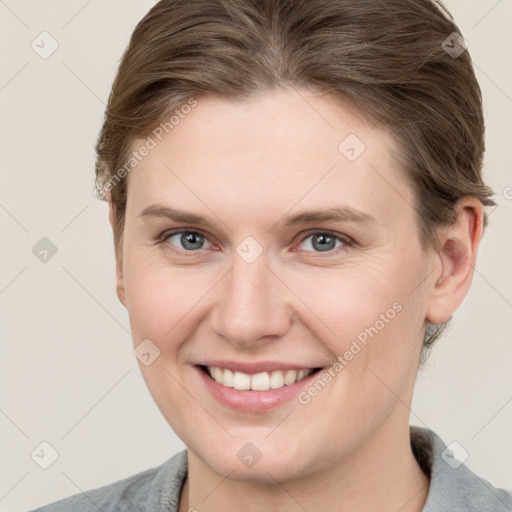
(254, 401)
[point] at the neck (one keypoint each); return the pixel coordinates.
(382, 476)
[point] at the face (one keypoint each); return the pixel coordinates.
(304, 254)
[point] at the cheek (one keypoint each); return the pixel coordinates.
(164, 300)
(367, 317)
(349, 299)
(163, 303)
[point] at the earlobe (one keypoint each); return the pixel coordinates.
(456, 257)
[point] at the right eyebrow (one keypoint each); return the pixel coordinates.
(156, 210)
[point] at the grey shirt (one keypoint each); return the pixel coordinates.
(453, 486)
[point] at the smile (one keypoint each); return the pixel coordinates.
(262, 381)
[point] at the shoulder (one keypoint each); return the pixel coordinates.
(453, 486)
(156, 489)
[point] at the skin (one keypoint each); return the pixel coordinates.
(244, 166)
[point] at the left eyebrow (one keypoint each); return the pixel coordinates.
(337, 214)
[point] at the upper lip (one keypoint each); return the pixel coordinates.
(254, 367)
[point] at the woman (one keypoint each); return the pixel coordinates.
(296, 200)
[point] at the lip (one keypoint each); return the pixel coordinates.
(254, 367)
(254, 401)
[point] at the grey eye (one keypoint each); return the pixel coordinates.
(189, 240)
(322, 242)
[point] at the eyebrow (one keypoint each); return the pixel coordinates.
(337, 214)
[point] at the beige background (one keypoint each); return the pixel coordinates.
(67, 369)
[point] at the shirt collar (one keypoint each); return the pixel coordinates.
(453, 486)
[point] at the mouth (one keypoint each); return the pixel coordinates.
(262, 381)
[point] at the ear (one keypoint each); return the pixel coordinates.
(457, 257)
(121, 294)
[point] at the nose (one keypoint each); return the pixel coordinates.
(252, 307)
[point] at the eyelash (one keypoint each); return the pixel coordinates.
(347, 241)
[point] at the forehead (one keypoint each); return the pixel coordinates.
(269, 153)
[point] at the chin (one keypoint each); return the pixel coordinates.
(258, 461)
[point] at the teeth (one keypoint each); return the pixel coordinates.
(217, 374)
(258, 382)
(301, 374)
(276, 380)
(228, 378)
(240, 380)
(290, 377)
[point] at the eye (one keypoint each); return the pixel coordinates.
(324, 241)
(190, 241)
(193, 241)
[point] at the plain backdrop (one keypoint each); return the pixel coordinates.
(68, 374)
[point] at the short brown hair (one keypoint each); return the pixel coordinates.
(388, 59)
